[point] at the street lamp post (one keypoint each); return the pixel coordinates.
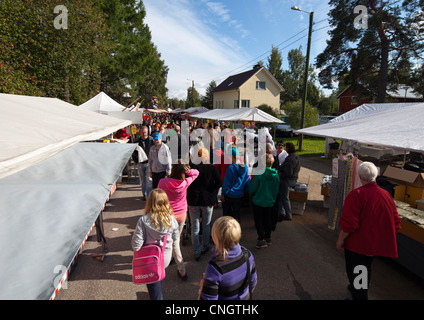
(305, 80)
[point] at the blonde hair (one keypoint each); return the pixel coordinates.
(204, 154)
(269, 160)
(159, 208)
(226, 233)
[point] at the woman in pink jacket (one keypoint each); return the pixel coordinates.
(175, 186)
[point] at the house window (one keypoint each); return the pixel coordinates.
(245, 103)
(260, 85)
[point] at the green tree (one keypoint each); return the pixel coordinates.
(39, 59)
(377, 56)
(293, 79)
(294, 110)
(193, 98)
(330, 104)
(275, 62)
(207, 100)
(133, 67)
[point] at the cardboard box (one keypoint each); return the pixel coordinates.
(410, 184)
(420, 205)
(406, 177)
(298, 196)
(297, 208)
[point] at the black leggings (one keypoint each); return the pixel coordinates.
(356, 278)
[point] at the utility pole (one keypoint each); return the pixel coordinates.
(192, 93)
(305, 80)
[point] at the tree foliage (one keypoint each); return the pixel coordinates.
(292, 79)
(133, 66)
(106, 46)
(207, 99)
(294, 110)
(378, 56)
(275, 62)
(39, 59)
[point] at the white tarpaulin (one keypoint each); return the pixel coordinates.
(34, 128)
(242, 114)
(47, 211)
(136, 117)
(102, 103)
(399, 125)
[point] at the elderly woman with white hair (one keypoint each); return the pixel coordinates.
(368, 227)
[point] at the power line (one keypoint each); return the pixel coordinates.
(269, 51)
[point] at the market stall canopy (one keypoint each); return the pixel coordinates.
(393, 125)
(34, 128)
(242, 114)
(192, 110)
(48, 210)
(102, 103)
(136, 117)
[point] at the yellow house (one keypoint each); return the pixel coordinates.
(248, 89)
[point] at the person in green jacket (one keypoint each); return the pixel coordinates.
(264, 190)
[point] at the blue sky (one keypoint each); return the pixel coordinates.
(204, 40)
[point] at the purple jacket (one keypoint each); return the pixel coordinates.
(227, 279)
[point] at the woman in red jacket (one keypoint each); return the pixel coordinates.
(368, 227)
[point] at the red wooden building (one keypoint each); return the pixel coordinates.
(348, 99)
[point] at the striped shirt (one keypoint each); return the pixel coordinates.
(227, 279)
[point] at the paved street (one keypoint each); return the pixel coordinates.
(301, 264)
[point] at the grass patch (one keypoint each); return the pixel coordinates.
(311, 146)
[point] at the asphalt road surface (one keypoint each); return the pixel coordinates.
(301, 264)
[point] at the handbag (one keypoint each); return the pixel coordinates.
(248, 275)
(149, 263)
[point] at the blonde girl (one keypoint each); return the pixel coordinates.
(226, 274)
(158, 220)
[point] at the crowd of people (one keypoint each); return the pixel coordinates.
(189, 192)
(172, 189)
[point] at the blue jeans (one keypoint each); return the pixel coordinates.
(195, 214)
(155, 290)
(283, 201)
(143, 176)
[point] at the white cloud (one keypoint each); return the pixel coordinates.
(189, 47)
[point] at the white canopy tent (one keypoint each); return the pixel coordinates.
(52, 188)
(242, 114)
(48, 210)
(33, 129)
(395, 125)
(102, 103)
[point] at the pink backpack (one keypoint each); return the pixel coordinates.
(148, 263)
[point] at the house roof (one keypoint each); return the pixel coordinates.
(236, 81)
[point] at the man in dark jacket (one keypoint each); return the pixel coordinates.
(200, 200)
(289, 173)
(145, 142)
